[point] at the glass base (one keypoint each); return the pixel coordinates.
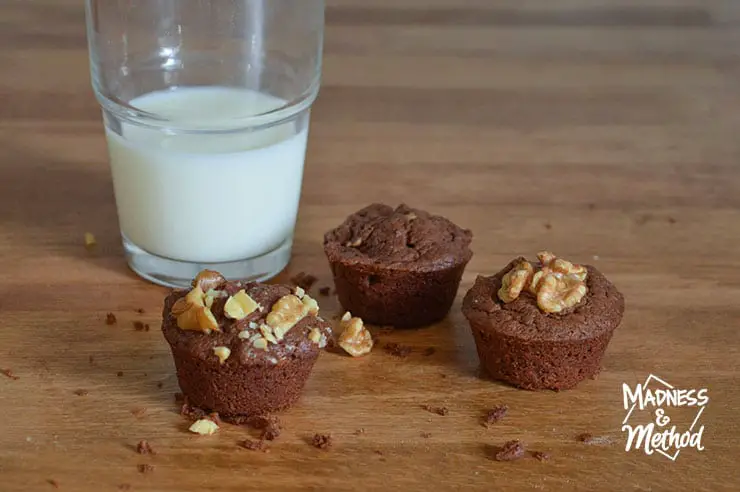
(179, 274)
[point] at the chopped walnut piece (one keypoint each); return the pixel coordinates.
(260, 343)
(515, 280)
(110, 319)
(208, 279)
(557, 285)
(558, 293)
(355, 338)
(354, 243)
(240, 305)
(204, 427)
(193, 314)
(222, 353)
(289, 310)
(145, 468)
(90, 241)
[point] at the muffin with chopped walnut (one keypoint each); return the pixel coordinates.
(242, 348)
(544, 324)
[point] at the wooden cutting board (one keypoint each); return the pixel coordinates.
(605, 131)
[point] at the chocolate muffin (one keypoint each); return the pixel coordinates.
(242, 349)
(543, 325)
(399, 267)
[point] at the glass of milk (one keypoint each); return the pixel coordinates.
(206, 109)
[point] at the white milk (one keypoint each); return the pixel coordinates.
(207, 198)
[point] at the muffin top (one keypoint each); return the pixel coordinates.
(404, 238)
(597, 312)
(243, 322)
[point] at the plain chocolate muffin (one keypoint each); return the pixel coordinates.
(243, 367)
(519, 343)
(399, 267)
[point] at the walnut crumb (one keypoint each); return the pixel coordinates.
(145, 468)
(438, 410)
(426, 435)
(510, 451)
(203, 427)
(110, 319)
(90, 241)
(495, 414)
(355, 338)
(81, 392)
(322, 441)
(53, 483)
(9, 373)
(143, 447)
(359, 431)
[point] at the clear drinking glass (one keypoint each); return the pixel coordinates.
(206, 108)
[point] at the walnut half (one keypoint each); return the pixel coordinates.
(355, 338)
(557, 285)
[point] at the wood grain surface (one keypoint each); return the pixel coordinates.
(604, 130)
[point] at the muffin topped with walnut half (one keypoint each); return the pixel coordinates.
(243, 348)
(543, 324)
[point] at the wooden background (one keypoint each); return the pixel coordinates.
(604, 130)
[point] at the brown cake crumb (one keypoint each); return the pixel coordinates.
(160, 384)
(146, 326)
(145, 468)
(671, 220)
(140, 310)
(540, 455)
(110, 319)
(124, 486)
(215, 418)
(548, 226)
(438, 410)
(119, 374)
(592, 206)
(397, 350)
(9, 373)
(495, 414)
(322, 441)
(325, 291)
(53, 483)
(426, 435)
(359, 431)
(590, 439)
(511, 450)
(429, 351)
(138, 412)
(303, 280)
(253, 445)
(140, 326)
(144, 448)
(272, 430)
(81, 392)
(91, 360)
